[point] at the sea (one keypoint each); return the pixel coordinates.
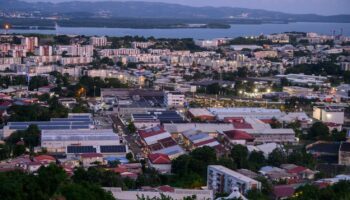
(201, 33)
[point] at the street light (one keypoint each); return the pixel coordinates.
(268, 90)
(256, 90)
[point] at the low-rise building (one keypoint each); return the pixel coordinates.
(329, 114)
(155, 193)
(344, 153)
(160, 162)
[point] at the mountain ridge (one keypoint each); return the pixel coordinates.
(140, 9)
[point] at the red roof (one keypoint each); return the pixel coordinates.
(42, 158)
(283, 191)
(267, 121)
(331, 124)
(322, 185)
(297, 169)
(166, 188)
(120, 170)
(91, 155)
(158, 158)
(5, 104)
(238, 135)
(151, 132)
(244, 125)
(167, 142)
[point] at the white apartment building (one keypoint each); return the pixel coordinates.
(278, 38)
(174, 99)
(75, 71)
(10, 61)
(207, 43)
(116, 52)
(30, 43)
(265, 54)
(142, 45)
(75, 60)
(223, 180)
(75, 50)
(329, 114)
(43, 51)
(345, 66)
(98, 41)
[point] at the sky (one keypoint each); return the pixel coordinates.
(324, 7)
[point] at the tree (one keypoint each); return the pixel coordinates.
(130, 156)
(131, 127)
(107, 61)
(50, 183)
(213, 88)
(277, 157)
(30, 138)
(256, 194)
(256, 160)
(318, 131)
(83, 192)
(239, 154)
(37, 82)
(302, 158)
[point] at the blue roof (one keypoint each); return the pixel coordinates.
(198, 136)
(72, 122)
(81, 149)
(113, 149)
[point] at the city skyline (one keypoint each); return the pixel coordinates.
(323, 7)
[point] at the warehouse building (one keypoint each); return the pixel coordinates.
(59, 141)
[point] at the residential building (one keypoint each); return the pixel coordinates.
(174, 99)
(200, 114)
(160, 162)
(223, 180)
(30, 43)
(98, 41)
(155, 193)
(329, 114)
(158, 140)
(43, 50)
(75, 50)
(344, 154)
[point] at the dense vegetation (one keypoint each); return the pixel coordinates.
(338, 191)
(50, 183)
(37, 112)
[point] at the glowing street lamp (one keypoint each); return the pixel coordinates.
(7, 26)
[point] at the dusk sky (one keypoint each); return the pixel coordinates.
(325, 7)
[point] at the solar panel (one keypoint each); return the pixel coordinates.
(113, 149)
(81, 149)
(71, 120)
(79, 116)
(80, 127)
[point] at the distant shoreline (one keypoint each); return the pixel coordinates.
(235, 30)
